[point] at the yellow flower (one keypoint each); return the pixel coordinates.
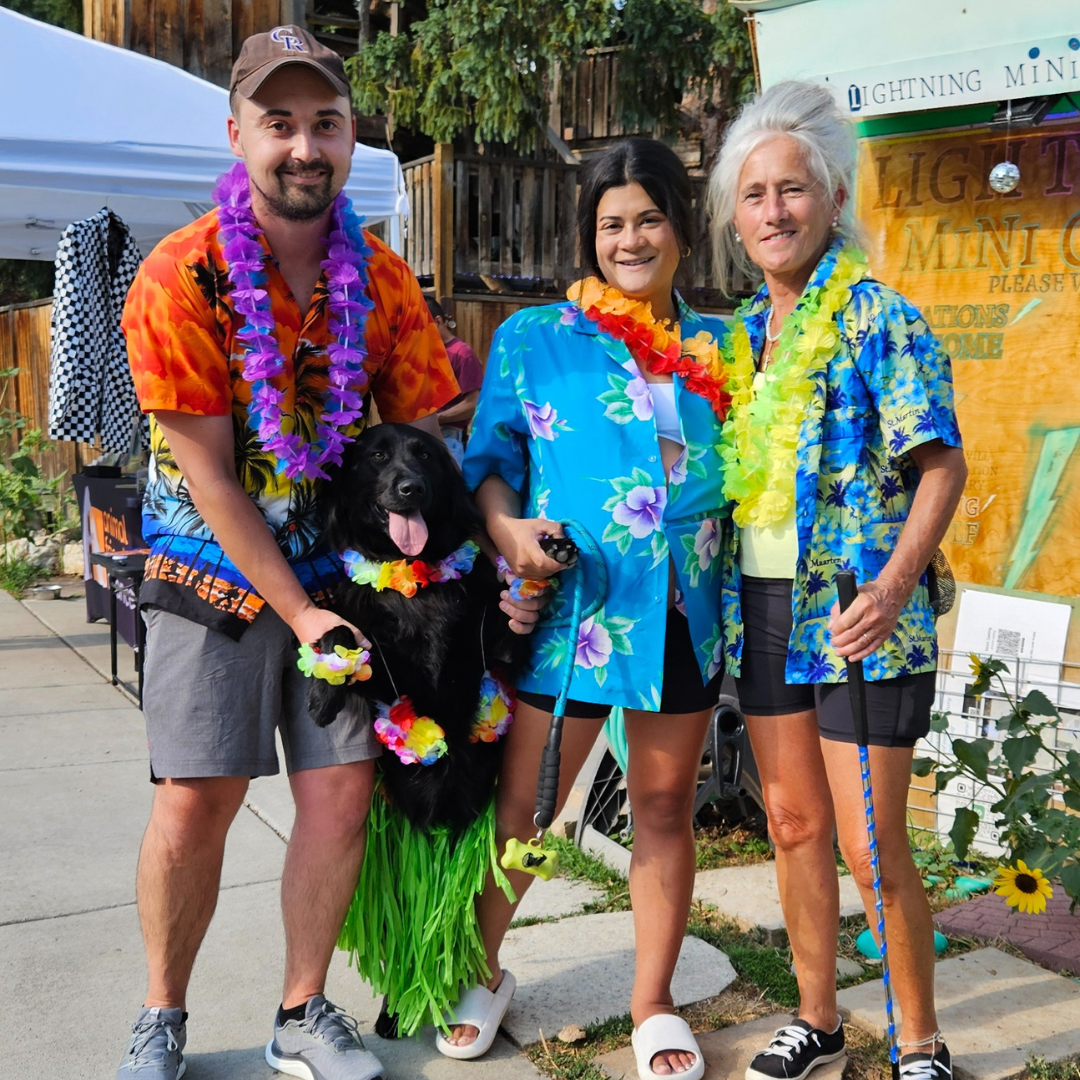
(1024, 889)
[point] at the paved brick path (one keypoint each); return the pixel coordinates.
(1051, 939)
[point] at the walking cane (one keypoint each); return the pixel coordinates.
(847, 591)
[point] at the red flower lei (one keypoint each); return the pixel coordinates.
(653, 344)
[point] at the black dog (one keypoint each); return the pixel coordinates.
(399, 495)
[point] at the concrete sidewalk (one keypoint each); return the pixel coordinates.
(74, 799)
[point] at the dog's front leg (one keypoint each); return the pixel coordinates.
(325, 701)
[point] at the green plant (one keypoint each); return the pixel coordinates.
(487, 67)
(1038, 1068)
(1028, 773)
(17, 575)
(938, 865)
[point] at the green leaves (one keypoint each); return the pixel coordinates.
(1038, 704)
(1070, 879)
(1030, 775)
(963, 830)
(486, 67)
(974, 755)
(1020, 752)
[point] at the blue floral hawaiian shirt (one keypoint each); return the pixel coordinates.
(887, 390)
(565, 418)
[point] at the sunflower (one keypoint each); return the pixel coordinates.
(1024, 889)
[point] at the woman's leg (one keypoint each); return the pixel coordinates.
(665, 756)
(800, 811)
(515, 804)
(908, 922)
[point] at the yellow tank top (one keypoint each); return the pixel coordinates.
(770, 552)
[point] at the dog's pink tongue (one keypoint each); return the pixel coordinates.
(408, 531)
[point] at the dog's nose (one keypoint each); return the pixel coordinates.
(411, 488)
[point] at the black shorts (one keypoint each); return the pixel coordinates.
(683, 690)
(898, 710)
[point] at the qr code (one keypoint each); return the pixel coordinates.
(1008, 643)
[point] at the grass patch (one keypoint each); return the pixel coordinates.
(17, 575)
(719, 846)
(1038, 1068)
(580, 865)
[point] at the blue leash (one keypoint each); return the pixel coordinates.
(547, 784)
(847, 591)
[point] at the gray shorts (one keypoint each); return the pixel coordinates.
(212, 704)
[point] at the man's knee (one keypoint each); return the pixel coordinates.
(334, 801)
(191, 811)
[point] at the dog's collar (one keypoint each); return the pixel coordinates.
(407, 575)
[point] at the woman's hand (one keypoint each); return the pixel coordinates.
(870, 621)
(518, 542)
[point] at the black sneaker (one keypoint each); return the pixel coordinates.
(936, 1066)
(797, 1049)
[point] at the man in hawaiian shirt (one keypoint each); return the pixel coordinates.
(237, 566)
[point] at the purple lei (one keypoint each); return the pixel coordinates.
(346, 280)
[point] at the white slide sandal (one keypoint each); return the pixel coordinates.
(665, 1031)
(482, 1009)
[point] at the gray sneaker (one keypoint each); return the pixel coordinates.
(156, 1049)
(325, 1045)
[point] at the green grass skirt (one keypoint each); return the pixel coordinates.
(412, 930)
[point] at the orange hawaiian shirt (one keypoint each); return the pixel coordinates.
(184, 354)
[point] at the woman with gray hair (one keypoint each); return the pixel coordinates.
(840, 451)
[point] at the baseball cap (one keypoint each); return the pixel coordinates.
(262, 54)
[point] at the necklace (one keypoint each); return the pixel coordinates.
(771, 338)
(346, 280)
(406, 576)
(759, 439)
(654, 343)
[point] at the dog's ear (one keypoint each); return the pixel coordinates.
(462, 508)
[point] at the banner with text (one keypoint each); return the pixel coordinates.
(998, 279)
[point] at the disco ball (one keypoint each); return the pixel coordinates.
(1004, 177)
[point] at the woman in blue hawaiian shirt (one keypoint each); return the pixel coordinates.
(841, 451)
(605, 410)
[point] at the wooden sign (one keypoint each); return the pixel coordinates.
(997, 277)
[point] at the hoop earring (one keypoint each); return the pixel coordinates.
(686, 253)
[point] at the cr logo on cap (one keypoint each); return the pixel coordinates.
(291, 42)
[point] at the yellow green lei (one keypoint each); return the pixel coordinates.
(760, 436)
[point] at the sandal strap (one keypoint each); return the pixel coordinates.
(665, 1031)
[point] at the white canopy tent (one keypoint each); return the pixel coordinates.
(88, 125)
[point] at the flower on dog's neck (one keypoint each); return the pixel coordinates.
(406, 576)
(418, 740)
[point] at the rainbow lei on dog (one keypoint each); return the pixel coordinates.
(345, 264)
(523, 588)
(418, 740)
(760, 438)
(655, 344)
(407, 575)
(341, 666)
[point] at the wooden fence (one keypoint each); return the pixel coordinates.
(25, 334)
(511, 228)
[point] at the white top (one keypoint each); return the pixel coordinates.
(667, 419)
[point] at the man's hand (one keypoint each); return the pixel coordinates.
(310, 625)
